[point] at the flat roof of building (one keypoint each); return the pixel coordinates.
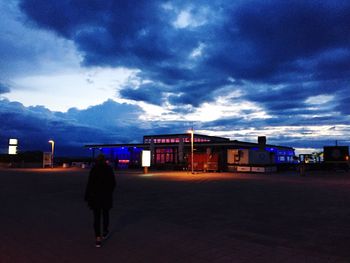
(186, 134)
(234, 143)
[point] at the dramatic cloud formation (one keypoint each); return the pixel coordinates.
(229, 68)
(102, 123)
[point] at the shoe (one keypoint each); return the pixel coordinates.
(105, 235)
(98, 242)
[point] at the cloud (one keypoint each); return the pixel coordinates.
(4, 88)
(106, 115)
(77, 87)
(109, 122)
(150, 93)
(119, 33)
(197, 92)
(271, 42)
(25, 49)
(343, 105)
(106, 32)
(266, 38)
(300, 101)
(282, 58)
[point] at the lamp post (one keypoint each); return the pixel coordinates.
(192, 139)
(52, 151)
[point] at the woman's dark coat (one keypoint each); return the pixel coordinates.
(100, 187)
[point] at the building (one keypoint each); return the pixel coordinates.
(173, 151)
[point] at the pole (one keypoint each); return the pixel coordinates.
(52, 151)
(192, 135)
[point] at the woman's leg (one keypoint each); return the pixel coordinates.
(97, 221)
(105, 215)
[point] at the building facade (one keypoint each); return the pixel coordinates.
(174, 151)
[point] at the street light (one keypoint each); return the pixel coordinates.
(192, 135)
(52, 150)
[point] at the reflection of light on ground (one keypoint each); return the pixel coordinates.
(179, 176)
(147, 175)
(188, 176)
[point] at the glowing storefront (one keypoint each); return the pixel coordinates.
(173, 151)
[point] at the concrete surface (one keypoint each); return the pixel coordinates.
(177, 217)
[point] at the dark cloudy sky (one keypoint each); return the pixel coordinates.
(92, 71)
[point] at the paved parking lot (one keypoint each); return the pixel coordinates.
(177, 217)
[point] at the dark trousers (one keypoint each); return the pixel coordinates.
(98, 213)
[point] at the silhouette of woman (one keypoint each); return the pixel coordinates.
(99, 196)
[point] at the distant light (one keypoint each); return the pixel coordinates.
(13, 146)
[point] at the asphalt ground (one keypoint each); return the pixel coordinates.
(177, 217)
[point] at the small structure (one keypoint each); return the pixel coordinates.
(47, 159)
(336, 157)
(249, 160)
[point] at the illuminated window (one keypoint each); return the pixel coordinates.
(166, 155)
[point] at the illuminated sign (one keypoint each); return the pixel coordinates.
(13, 146)
(12, 149)
(146, 158)
(13, 142)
